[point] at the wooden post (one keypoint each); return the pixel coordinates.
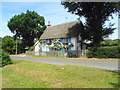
(16, 45)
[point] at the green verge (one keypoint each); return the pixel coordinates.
(46, 56)
(33, 74)
(79, 58)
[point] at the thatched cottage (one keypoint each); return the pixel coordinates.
(60, 40)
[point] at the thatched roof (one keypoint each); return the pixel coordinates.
(70, 29)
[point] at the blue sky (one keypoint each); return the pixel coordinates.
(52, 11)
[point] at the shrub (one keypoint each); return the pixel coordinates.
(4, 59)
(31, 48)
(105, 52)
(72, 55)
(110, 42)
(90, 53)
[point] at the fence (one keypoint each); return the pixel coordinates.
(30, 53)
(74, 53)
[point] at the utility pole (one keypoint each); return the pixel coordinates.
(16, 44)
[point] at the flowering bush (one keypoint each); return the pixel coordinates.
(57, 45)
(70, 45)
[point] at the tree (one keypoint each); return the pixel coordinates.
(27, 26)
(0, 43)
(95, 13)
(8, 44)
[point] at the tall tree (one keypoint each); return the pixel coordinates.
(27, 26)
(95, 13)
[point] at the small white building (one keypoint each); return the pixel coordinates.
(63, 38)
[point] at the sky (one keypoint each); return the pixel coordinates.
(52, 11)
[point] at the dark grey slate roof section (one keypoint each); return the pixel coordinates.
(70, 29)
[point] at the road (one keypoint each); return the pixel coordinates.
(100, 64)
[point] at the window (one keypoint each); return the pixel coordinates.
(50, 41)
(62, 49)
(69, 40)
(66, 40)
(47, 40)
(69, 48)
(62, 40)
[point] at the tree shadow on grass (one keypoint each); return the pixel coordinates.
(17, 61)
(116, 85)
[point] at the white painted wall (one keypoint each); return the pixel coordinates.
(74, 41)
(37, 48)
(43, 46)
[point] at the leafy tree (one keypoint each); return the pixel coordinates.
(0, 42)
(8, 44)
(95, 13)
(27, 26)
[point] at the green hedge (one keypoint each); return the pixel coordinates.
(104, 52)
(4, 59)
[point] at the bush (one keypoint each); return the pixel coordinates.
(110, 42)
(5, 59)
(31, 48)
(105, 52)
(90, 53)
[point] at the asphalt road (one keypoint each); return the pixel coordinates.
(100, 64)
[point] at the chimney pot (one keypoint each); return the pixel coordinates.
(49, 24)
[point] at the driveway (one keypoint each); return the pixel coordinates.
(100, 64)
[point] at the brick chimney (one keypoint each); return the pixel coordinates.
(49, 24)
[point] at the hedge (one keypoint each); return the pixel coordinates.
(104, 52)
(4, 59)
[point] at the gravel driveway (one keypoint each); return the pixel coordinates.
(101, 64)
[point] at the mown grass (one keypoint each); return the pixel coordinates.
(33, 74)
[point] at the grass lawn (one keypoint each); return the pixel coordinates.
(33, 74)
